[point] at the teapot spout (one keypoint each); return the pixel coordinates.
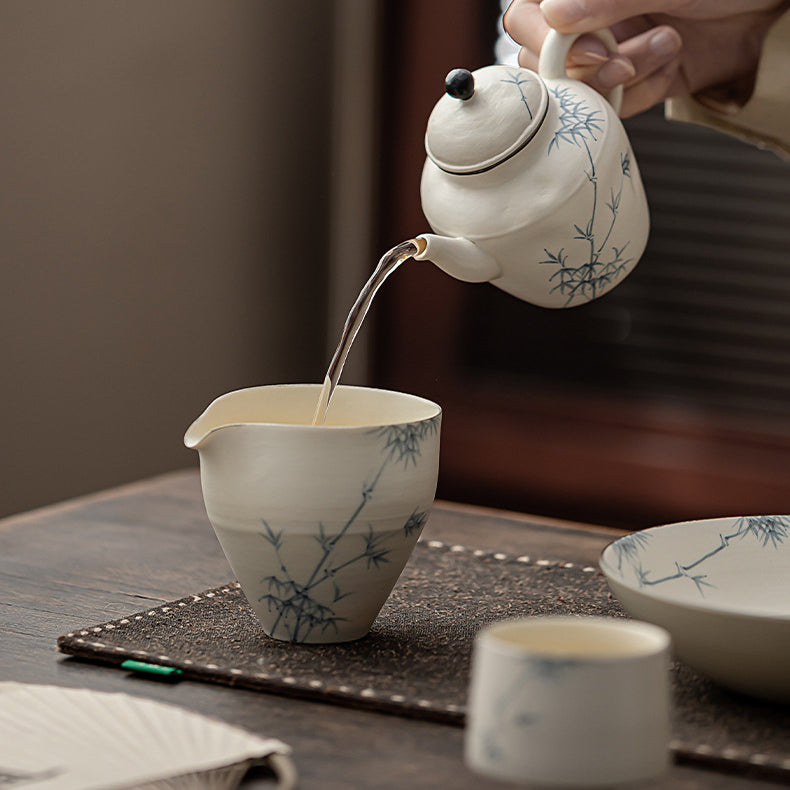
(459, 257)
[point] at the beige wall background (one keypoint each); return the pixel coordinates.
(164, 175)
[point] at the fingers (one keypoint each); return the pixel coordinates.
(650, 91)
(647, 63)
(654, 57)
(642, 56)
(638, 95)
(527, 59)
(581, 16)
(526, 25)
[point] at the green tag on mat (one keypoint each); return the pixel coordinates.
(151, 669)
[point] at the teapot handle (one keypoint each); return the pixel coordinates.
(555, 50)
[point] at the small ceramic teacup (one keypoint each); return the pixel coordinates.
(569, 701)
(317, 521)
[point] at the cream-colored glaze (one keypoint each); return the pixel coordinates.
(581, 638)
(502, 224)
(722, 589)
(569, 702)
(317, 521)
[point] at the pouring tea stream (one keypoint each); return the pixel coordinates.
(530, 183)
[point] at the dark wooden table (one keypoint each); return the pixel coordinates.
(99, 557)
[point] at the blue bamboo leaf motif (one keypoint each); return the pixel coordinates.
(767, 530)
(374, 553)
(641, 575)
(415, 522)
(402, 443)
(579, 126)
(491, 746)
(551, 670)
(326, 542)
(519, 80)
(338, 596)
(627, 548)
(275, 538)
(625, 164)
(558, 258)
(296, 602)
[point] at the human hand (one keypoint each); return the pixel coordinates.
(667, 47)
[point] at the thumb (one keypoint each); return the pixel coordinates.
(582, 16)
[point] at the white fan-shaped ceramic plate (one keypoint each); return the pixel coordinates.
(721, 587)
(54, 738)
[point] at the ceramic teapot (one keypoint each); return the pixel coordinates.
(530, 182)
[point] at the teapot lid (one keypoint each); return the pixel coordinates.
(485, 117)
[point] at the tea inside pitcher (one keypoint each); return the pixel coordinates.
(388, 263)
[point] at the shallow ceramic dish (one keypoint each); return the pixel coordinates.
(721, 587)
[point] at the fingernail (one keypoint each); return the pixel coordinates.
(589, 50)
(592, 57)
(615, 72)
(563, 12)
(665, 42)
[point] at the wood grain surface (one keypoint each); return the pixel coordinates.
(103, 556)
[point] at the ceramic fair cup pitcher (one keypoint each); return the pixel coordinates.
(317, 521)
(530, 182)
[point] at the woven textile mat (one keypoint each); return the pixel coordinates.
(415, 661)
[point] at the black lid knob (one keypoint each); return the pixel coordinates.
(460, 84)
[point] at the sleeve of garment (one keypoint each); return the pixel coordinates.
(765, 118)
